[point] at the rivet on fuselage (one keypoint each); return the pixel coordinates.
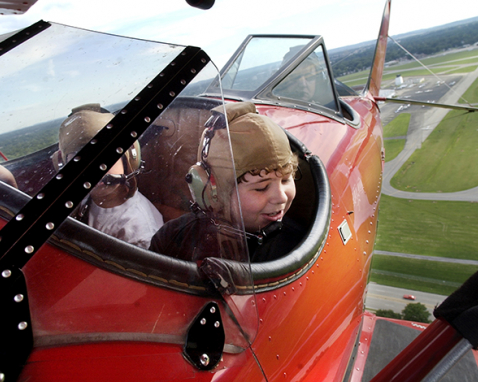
(6, 273)
(22, 325)
(204, 359)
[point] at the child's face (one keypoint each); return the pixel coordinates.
(265, 199)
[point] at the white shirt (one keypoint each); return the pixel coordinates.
(135, 221)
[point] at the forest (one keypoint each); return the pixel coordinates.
(347, 61)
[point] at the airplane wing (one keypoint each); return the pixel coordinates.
(15, 7)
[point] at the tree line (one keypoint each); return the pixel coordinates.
(412, 312)
(424, 44)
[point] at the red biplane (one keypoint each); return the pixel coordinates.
(78, 304)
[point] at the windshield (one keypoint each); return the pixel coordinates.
(309, 81)
(258, 62)
(289, 70)
(66, 95)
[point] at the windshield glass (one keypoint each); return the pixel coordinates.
(309, 81)
(259, 61)
(63, 92)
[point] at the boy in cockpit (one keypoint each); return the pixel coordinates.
(114, 206)
(265, 167)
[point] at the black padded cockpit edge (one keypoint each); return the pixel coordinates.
(128, 260)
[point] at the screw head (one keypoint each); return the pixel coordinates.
(6, 273)
(22, 325)
(204, 359)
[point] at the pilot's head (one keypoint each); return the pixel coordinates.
(264, 165)
(75, 132)
(301, 83)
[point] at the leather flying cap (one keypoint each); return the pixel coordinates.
(257, 141)
(79, 128)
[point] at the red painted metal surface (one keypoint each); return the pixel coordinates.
(133, 361)
(307, 329)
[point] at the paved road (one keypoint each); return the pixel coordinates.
(421, 125)
(385, 297)
(431, 258)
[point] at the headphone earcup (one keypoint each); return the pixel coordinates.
(202, 186)
(57, 161)
(134, 156)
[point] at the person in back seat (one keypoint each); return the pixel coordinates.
(7, 177)
(114, 206)
(265, 167)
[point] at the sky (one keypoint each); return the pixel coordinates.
(220, 30)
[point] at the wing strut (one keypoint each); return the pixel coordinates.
(426, 103)
(375, 78)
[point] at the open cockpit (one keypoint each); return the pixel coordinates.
(168, 148)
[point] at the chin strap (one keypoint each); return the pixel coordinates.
(113, 179)
(268, 231)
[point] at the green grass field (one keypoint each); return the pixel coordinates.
(422, 227)
(398, 127)
(393, 147)
(443, 164)
(424, 275)
(425, 227)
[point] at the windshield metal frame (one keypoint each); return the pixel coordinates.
(263, 94)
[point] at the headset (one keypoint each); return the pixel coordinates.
(200, 177)
(132, 162)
